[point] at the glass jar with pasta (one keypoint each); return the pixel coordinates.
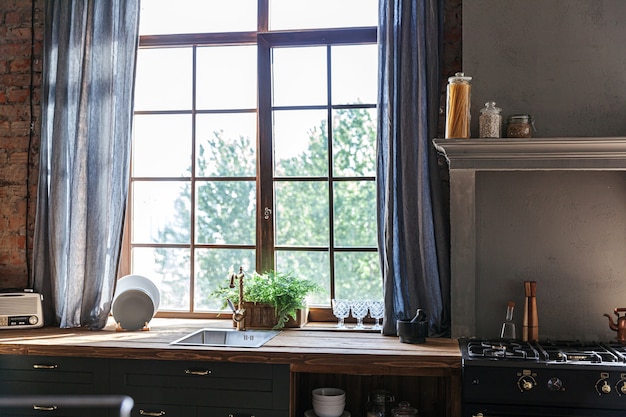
(458, 106)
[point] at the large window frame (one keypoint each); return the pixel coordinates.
(265, 180)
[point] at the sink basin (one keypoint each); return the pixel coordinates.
(227, 338)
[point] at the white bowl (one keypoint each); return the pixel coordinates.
(328, 410)
(311, 413)
(328, 394)
(330, 402)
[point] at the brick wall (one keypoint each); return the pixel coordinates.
(19, 168)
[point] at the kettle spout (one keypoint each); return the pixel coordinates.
(612, 324)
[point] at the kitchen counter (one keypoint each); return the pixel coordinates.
(308, 349)
(317, 355)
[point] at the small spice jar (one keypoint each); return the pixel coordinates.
(519, 126)
(490, 121)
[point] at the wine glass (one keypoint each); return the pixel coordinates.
(377, 312)
(341, 310)
(359, 311)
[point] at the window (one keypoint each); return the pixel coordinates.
(254, 146)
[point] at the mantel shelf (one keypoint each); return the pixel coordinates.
(581, 153)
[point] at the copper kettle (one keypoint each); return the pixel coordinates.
(620, 326)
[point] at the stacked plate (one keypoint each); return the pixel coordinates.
(135, 302)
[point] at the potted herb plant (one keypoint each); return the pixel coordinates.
(272, 299)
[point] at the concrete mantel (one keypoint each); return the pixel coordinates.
(535, 154)
(471, 159)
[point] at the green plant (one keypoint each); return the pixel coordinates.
(283, 291)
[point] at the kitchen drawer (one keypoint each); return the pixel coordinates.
(45, 375)
(239, 412)
(216, 385)
(58, 412)
(161, 410)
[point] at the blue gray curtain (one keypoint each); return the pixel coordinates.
(413, 230)
(88, 75)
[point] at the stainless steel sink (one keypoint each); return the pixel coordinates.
(227, 338)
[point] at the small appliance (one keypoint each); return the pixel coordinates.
(20, 310)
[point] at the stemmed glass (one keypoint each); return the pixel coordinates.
(359, 311)
(341, 310)
(377, 312)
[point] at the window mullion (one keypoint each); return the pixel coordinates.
(265, 181)
(192, 209)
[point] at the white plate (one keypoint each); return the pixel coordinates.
(311, 413)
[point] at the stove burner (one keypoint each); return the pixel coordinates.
(501, 349)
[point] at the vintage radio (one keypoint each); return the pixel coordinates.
(20, 310)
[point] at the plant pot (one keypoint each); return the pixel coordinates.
(263, 316)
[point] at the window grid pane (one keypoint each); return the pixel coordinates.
(194, 183)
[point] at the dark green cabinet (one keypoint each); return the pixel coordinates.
(157, 387)
(23, 375)
(192, 388)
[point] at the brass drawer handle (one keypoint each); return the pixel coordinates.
(44, 366)
(151, 413)
(202, 373)
(45, 408)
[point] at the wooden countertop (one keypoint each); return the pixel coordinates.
(309, 349)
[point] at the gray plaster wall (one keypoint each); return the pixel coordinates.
(543, 226)
(562, 61)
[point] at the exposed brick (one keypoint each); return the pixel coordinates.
(18, 94)
(20, 65)
(16, 46)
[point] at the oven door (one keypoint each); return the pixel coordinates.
(491, 410)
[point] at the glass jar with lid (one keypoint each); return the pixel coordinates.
(458, 106)
(404, 409)
(520, 126)
(490, 121)
(380, 403)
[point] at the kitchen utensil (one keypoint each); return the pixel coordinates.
(533, 319)
(526, 308)
(414, 330)
(508, 327)
(619, 326)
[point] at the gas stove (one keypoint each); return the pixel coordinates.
(547, 352)
(547, 378)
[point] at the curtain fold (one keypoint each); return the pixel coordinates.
(87, 93)
(412, 228)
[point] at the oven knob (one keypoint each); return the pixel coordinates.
(526, 383)
(603, 387)
(621, 386)
(555, 384)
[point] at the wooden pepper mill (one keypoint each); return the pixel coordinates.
(530, 325)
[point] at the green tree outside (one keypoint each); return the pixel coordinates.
(225, 214)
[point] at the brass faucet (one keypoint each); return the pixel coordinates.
(239, 314)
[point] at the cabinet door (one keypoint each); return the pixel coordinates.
(202, 384)
(239, 412)
(46, 375)
(52, 377)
